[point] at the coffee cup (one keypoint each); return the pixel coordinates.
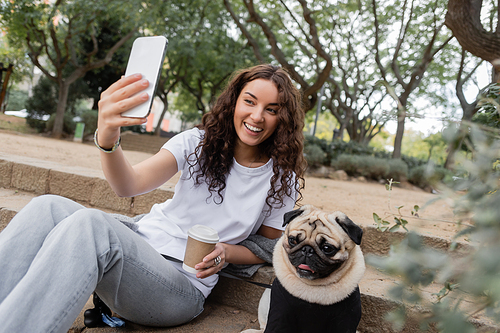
(200, 242)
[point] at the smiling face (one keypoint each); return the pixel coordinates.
(255, 114)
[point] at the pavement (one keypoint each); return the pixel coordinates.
(232, 306)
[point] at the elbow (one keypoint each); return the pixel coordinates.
(122, 193)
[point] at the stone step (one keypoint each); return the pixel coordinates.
(215, 318)
(233, 304)
(83, 185)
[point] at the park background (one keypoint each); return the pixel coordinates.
(394, 91)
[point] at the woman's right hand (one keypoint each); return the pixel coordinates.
(121, 96)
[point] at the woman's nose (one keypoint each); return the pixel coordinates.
(257, 115)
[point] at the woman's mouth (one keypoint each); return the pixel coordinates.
(252, 128)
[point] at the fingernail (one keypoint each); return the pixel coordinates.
(144, 82)
(138, 75)
(144, 96)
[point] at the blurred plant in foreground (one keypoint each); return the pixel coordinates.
(470, 283)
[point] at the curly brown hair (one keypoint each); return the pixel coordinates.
(214, 155)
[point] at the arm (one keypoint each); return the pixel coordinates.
(124, 179)
(234, 254)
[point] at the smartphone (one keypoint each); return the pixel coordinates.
(146, 57)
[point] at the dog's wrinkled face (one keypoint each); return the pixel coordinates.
(317, 243)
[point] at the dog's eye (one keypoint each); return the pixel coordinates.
(292, 241)
(328, 249)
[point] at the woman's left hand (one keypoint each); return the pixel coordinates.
(210, 264)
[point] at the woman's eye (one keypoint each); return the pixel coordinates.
(273, 111)
(249, 102)
(292, 241)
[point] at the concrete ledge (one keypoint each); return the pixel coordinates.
(103, 196)
(6, 173)
(72, 186)
(379, 243)
(83, 185)
(142, 142)
(143, 203)
(30, 178)
(242, 294)
(5, 216)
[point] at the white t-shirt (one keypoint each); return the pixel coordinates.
(241, 214)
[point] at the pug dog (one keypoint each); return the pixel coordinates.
(318, 265)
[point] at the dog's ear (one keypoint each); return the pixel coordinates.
(352, 229)
(291, 215)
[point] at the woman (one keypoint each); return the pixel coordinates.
(241, 171)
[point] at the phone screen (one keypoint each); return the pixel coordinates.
(146, 57)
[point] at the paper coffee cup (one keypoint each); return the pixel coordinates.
(201, 241)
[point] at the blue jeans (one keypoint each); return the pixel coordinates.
(55, 253)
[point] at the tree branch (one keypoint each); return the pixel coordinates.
(292, 14)
(275, 50)
(80, 71)
(377, 41)
(464, 19)
(325, 73)
(253, 43)
(401, 38)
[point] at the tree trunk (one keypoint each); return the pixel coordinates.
(61, 108)
(4, 86)
(468, 112)
(398, 139)
(495, 76)
(464, 19)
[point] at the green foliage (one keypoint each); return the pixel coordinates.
(425, 148)
(63, 37)
(44, 99)
(335, 148)
(399, 220)
(16, 100)
(38, 124)
(348, 163)
(489, 102)
(314, 155)
(89, 118)
(202, 54)
(16, 56)
(428, 175)
(473, 276)
(99, 79)
(398, 169)
(68, 125)
(362, 165)
(325, 126)
(372, 167)
(361, 160)
(412, 162)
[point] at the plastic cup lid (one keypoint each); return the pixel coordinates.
(203, 233)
